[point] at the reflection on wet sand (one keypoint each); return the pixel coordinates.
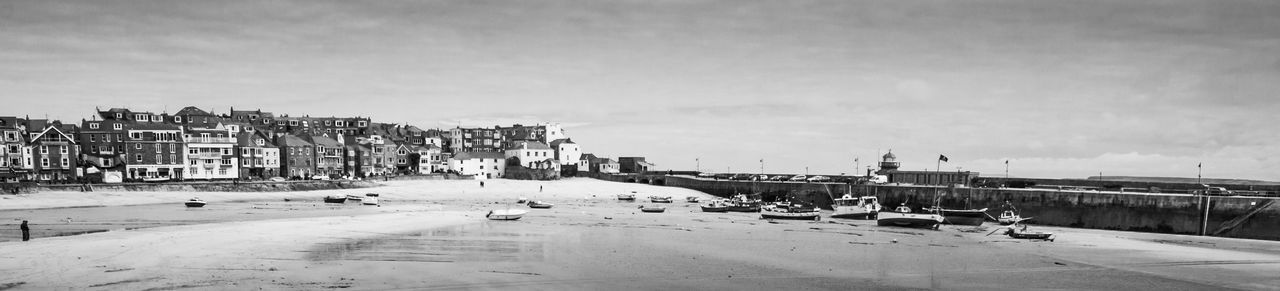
(464, 243)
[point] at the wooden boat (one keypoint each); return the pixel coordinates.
(790, 211)
(848, 206)
(355, 197)
(195, 202)
(627, 197)
(716, 205)
(522, 200)
(902, 216)
(660, 199)
(742, 203)
(335, 199)
(369, 201)
(505, 214)
(1014, 231)
(652, 209)
(539, 205)
(371, 195)
(155, 179)
(973, 217)
(691, 199)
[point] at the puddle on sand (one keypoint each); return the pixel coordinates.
(467, 243)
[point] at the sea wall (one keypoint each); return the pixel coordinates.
(197, 186)
(1240, 217)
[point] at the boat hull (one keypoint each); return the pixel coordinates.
(908, 220)
(853, 212)
(335, 200)
(369, 201)
(745, 208)
(714, 208)
(1030, 235)
(653, 210)
(790, 215)
(504, 215)
(973, 217)
(194, 204)
(626, 198)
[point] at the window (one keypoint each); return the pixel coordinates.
(173, 148)
(173, 159)
(293, 123)
(44, 149)
(193, 171)
(92, 139)
(226, 151)
(244, 162)
(244, 151)
(363, 123)
(193, 163)
(177, 119)
(208, 161)
(44, 162)
(193, 151)
(137, 146)
(138, 157)
(226, 161)
(106, 162)
(402, 161)
(261, 142)
(328, 122)
(106, 137)
(140, 117)
(119, 115)
(338, 123)
(222, 171)
(157, 146)
(117, 126)
(93, 125)
(135, 135)
(159, 160)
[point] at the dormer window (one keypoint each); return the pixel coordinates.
(93, 125)
(117, 126)
(155, 118)
(363, 123)
(337, 123)
(177, 119)
(119, 115)
(261, 142)
(140, 117)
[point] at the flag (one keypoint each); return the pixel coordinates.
(942, 158)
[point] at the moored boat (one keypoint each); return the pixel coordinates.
(973, 217)
(355, 197)
(848, 206)
(369, 201)
(1009, 217)
(539, 204)
(522, 200)
(195, 202)
(716, 205)
(660, 199)
(790, 211)
(335, 199)
(371, 195)
(691, 199)
(652, 209)
(902, 216)
(627, 197)
(505, 214)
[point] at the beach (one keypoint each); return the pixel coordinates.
(430, 235)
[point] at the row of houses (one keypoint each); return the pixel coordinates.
(119, 145)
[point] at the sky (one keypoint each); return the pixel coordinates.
(1059, 89)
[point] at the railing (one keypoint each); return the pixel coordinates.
(211, 140)
(205, 155)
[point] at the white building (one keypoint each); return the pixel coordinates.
(567, 152)
(484, 165)
(211, 153)
(429, 159)
(533, 155)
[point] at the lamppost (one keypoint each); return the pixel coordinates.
(762, 166)
(697, 165)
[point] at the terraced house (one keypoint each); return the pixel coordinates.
(211, 153)
(259, 156)
(154, 152)
(102, 149)
(11, 146)
(328, 155)
(52, 150)
(298, 156)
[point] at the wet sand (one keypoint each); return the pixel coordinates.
(432, 235)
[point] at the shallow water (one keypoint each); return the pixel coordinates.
(465, 243)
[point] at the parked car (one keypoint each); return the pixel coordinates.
(760, 178)
(818, 179)
(742, 177)
(320, 177)
(798, 178)
(779, 178)
(725, 176)
(706, 175)
(277, 179)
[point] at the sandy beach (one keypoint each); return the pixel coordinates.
(429, 235)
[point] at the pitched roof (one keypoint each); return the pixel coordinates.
(320, 140)
(588, 157)
(293, 141)
(192, 110)
(556, 143)
(532, 145)
(478, 155)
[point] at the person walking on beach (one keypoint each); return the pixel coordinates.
(539, 188)
(26, 231)
(481, 184)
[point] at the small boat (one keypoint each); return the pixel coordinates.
(505, 214)
(973, 217)
(660, 199)
(522, 200)
(848, 206)
(155, 179)
(902, 216)
(627, 197)
(742, 203)
(195, 202)
(652, 209)
(1022, 233)
(790, 211)
(539, 204)
(355, 197)
(1009, 217)
(335, 199)
(691, 199)
(371, 195)
(717, 205)
(369, 201)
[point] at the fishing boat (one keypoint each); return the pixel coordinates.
(743, 203)
(335, 199)
(369, 201)
(848, 206)
(691, 199)
(355, 197)
(627, 197)
(505, 214)
(660, 199)
(715, 205)
(652, 209)
(195, 202)
(790, 211)
(1014, 231)
(902, 216)
(539, 205)
(973, 217)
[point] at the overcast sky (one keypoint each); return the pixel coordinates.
(1058, 88)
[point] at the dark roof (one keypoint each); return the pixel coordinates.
(293, 141)
(193, 111)
(556, 143)
(532, 145)
(320, 140)
(478, 155)
(588, 157)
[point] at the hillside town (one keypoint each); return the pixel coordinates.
(121, 145)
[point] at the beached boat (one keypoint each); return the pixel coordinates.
(790, 211)
(505, 214)
(627, 197)
(652, 209)
(973, 217)
(848, 206)
(1013, 230)
(902, 216)
(522, 200)
(691, 199)
(743, 203)
(369, 201)
(660, 199)
(1009, 217)
(715, 205)
(155, 179)
(539, 204)
(335, 199)
(371, 195)
(195, 202)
